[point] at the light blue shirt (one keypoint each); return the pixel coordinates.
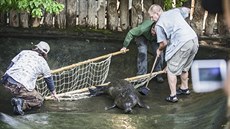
(173, 28)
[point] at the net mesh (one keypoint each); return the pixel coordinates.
(136, 81)
(76, 78)
(72, 82)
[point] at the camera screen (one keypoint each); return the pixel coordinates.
(210, 74)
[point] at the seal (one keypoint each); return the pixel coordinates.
(124, 94)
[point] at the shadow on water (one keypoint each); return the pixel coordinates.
(200, 111)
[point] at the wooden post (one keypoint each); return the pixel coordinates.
(124, 14)
(48, 22)
(60, 20)
(83, 6)
(14, 18)
(197, 17)
(210, 24)
(112, 15)
(101, 14)
(136, 10)
(192, 9)
(204, 21)
(71, 16)
(147, 4)
(36, 22)
(222, 28)
(227, 12)
(92, 13)
(24, 20)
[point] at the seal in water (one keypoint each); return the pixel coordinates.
(123, 92)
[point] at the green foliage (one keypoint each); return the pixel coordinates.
(35, 7)
(168, 3)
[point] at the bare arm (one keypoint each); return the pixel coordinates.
(162, 46)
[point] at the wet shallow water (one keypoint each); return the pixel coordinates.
(200, 111)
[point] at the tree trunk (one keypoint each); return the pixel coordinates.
(209, 26)
(60, 20)
(222, 28)
(101, 14)
(92, 13)
(159, 2)
(112, 15)
(198, 17)
(71, 13)
(136, 11)
(147, 4)
(83, 8)
(14, 19)
(124, 14)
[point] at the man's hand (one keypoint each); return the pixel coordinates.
(54, 95)
(162, 46)
(159, 52)
(153, 31)
(123, 49)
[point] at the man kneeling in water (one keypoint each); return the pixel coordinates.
(21, 76)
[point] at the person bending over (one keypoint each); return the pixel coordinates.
(181, 43)
(144, 34)
(21, 75)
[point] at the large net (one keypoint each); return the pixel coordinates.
(78, 77)
(136, 81)
(72, 82)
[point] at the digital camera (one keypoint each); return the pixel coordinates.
(208, 75)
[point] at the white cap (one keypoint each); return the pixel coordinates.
(43, 46)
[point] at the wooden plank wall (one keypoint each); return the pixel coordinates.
(115, 15)
(101, 12)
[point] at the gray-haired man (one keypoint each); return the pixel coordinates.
(181, 48)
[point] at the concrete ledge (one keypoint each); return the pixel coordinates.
(78, 33)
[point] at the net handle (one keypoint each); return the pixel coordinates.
(154, 64)
(192, 9)
(72, 92)
(145, 75)
(88, 61)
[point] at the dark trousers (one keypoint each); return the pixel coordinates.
(142, 44)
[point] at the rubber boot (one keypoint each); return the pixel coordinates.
(17, 105)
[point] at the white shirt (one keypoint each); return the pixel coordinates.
(172, 26)
(28, 65)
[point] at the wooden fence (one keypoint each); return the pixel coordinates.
(98, 14)
(103, 14)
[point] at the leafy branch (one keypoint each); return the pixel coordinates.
(35, 7)
(168, 3)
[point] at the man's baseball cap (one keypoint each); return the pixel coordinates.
(43, 46)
